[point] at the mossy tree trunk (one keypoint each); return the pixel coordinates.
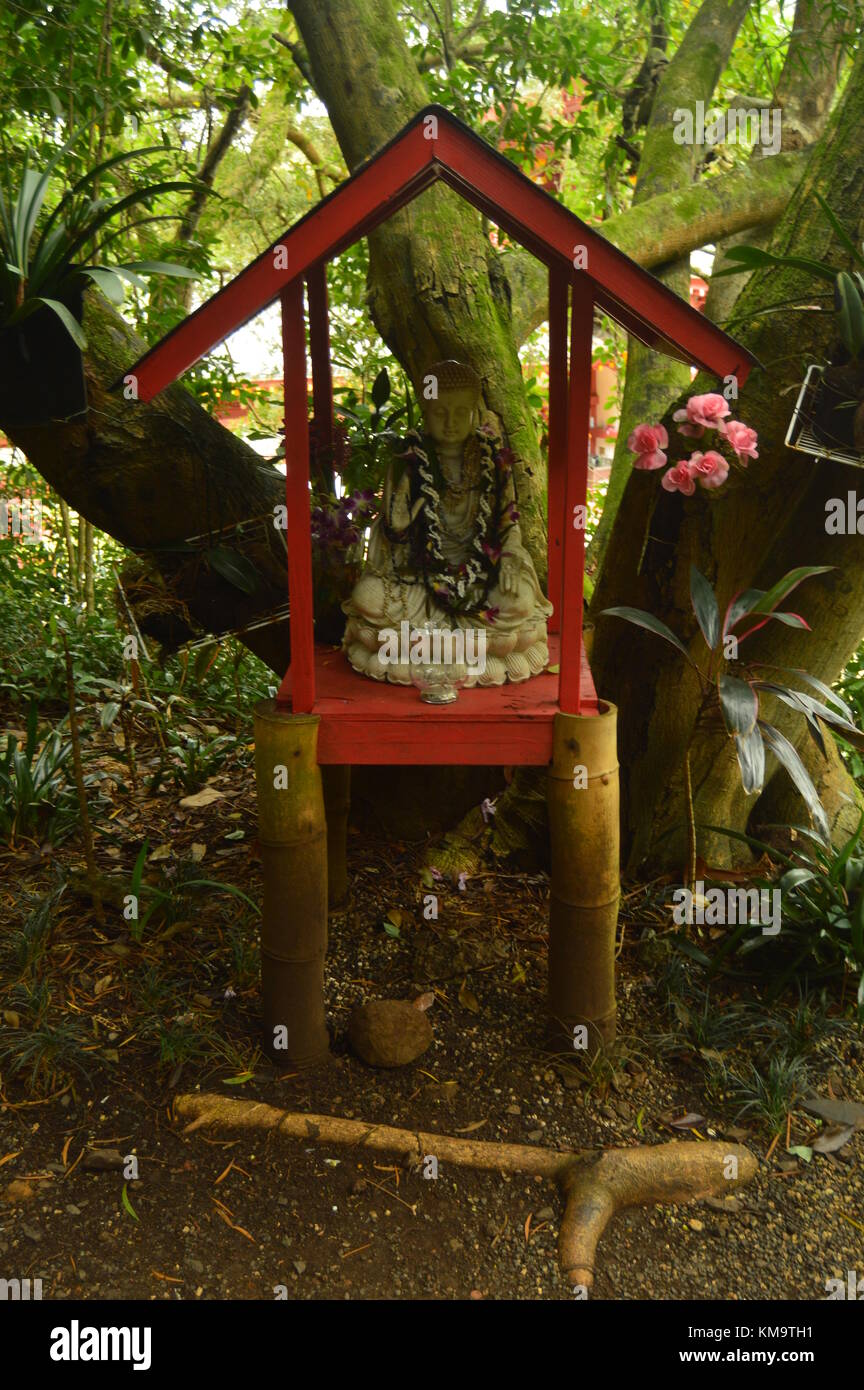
(154, 476)
(803, 96)
(665, 167)
(436, 286)
(747, 534)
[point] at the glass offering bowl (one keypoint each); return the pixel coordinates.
(442, 670)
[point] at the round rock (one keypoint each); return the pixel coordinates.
(389, 1032)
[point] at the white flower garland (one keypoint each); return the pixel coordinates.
(474, 569)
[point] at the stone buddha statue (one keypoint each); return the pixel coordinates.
(447, 549)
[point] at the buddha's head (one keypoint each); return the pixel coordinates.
(454, 411)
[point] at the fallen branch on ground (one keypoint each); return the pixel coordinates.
(595, 1184)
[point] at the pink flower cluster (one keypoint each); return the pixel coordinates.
(709, 469)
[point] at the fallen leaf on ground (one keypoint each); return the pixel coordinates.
(202, 798)
(689, 1121)
(836, 1112)
(832, 1139)
(468, 999)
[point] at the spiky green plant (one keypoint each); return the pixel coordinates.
(47, 256)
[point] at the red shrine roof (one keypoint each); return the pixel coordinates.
(436, 145)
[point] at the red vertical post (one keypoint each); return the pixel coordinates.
(556, 476)
(319, 352)
(297, 498)
(578, 426)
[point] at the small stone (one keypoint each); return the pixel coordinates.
(103, 1160)
(73, 1210)
(19, 1191)
(546, 1214)
(695, 1224)
(535, 1135)
(300, 1266)
(514, 1110)
(196, 1266)
(389, 1032)
(31, 1232)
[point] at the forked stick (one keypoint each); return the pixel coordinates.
(595, 1184)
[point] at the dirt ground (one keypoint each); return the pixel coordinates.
(261, 1218)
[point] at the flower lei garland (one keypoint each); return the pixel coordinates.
(456, 587)
(709, 469)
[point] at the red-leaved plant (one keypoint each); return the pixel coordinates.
(738, 694)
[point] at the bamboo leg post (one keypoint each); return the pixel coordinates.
(293, 838)
(582, 792)
(336, 779)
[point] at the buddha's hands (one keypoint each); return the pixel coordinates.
(508, 578)
(400, 515)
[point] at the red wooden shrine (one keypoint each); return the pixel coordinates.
(365, 721)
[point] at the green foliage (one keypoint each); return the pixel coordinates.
(737, 695)
(36, 798)
(195, 759)
(170, 900)
(848, 289)
(822, 912)
(42, 253)
(48, 1048)
(768, 1093)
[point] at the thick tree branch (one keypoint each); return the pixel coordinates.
(805, 90)
(670, 226)
(320, 166)
(216, 153)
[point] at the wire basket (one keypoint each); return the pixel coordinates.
(800, 433)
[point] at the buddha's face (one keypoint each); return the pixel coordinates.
(451, 418)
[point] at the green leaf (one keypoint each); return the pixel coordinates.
(840, 231)
(786, 754)
(823, 689)
(802, 1151)
(240, 1080)
(223, 888)
(846, 853)
(794, 701)
(705, 607)
(69, 322)
(751, 760)
(740, 605)
(234, 567)
(158, 268)
(739, 703)
(753, 258)
(650, 623)
(127, 1205)
(381, 389)
(850, 312)
(109, 713)
(785, 586)
(110, 284)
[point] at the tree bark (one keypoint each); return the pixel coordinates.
(155, 475)
(667, 167)
(747, 534)
(803, 96)
(669, 226)
(436, 286)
